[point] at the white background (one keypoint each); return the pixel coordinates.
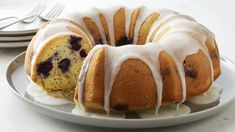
(218, 16)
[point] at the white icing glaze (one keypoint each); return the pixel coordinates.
(51, 30)
(183, 30)
(114, 58)
(38, 95)
(144, 12)
(164, 13)
(54, 28)
(76, 111)
(78, 17)
(128, 14)
(81, 77)
(188, 46)
(109, 14)
(166, 111)
(212, 95)
(184, 23)
(96, 19)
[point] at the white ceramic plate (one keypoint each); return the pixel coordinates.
(17, 80)
(21, 28)
(13, 44)
(19, 32)
(16, 38)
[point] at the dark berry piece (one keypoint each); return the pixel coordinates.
(44, 68)
(123, 41)
(83, 53)
(64, 65)
(121, 107)
(190, 71)
(75, 43)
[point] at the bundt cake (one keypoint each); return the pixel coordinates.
(123, 59)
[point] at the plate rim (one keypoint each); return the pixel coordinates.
(16, 38)
(34, 105)
(14, 44)
(23, 32)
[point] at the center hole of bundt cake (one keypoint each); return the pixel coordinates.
(124, 41)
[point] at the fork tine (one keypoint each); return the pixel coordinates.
(31, 19)
(52, 10)
(58, 11)
(41, 10)
(34, 10)
(31, 13)
(37, 11)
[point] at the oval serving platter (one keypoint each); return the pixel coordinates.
(17, 80)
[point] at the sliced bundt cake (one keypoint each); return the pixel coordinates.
(149, 58)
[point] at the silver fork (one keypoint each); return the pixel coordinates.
(14, 22)
(54, 12)
(36, 11)
(5, 18)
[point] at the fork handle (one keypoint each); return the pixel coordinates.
(5, 18)
(14, 22)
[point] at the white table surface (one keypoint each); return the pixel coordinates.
(217, 15)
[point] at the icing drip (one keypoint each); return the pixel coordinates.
(128, 13)
(166, 111)
(109, 16)
(53, 29)
(99, 25)
(144, 12)
(184, 23)
(35, 92)
(112, 67)
(114, 58)
(189, 45)
(210, 96)
(78, 18)
(76, 111)
(81, 77)
(163, 14)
